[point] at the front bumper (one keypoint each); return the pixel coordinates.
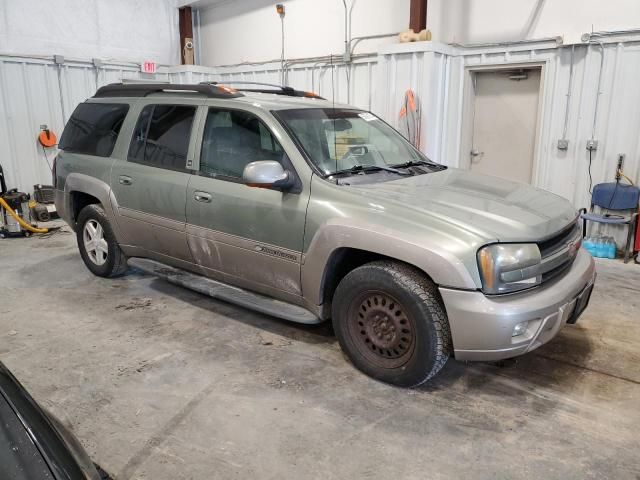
(481, 326)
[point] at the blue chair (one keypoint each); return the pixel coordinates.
(614, 196)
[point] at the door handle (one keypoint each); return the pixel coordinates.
(475, 154)
(125, 180)
(203, 197)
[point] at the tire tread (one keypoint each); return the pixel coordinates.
(417, 283)
(425, 293)
(119, 266)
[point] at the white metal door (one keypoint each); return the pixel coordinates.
(504, 123)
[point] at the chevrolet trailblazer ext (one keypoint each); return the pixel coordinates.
(310, 211)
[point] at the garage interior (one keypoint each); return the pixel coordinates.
(161, 382)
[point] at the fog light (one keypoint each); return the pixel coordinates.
(520, 329)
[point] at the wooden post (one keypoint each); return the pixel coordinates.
(418, 15)
(186, 35)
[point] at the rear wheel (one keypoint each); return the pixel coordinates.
(390, 321)
(97, 243)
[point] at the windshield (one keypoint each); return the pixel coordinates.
(339, 139)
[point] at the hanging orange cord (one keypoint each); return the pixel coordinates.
(47, 138)
(410, 118)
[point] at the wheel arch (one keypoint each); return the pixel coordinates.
(82, 190)
(346, 259)
(337, 249)
(79, 200)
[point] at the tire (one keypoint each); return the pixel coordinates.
(391, 323)
(111, 263)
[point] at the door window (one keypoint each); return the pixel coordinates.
(232, 139)
(161, 136)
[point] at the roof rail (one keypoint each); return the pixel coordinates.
(275, 89)
(144, 89)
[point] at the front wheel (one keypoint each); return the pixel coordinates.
(97, 243)
(391, 323)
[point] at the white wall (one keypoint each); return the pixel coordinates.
(235, 31)
(133, 30)
(32, 92)
(249, 30)
(477, 21)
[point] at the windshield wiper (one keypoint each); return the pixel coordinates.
(417, 163)
(366, 168)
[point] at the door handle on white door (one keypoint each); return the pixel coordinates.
(475, 154)
(125, 180)
(203, 197)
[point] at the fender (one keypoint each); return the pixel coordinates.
(78, 182)
(443, 267)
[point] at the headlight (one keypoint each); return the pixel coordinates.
(509, 267)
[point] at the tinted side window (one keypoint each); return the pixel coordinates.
(161, 136)
(93, 128)
(232, 139)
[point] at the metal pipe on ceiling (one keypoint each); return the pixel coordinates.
(556, 40)
(354, 41)
(346, 31)
(587, 37)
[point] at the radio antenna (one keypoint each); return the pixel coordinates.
(333, 114)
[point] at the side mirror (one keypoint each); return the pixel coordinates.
(267, 174)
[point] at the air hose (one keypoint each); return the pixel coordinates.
(22, 223)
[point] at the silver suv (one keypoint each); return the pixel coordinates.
(310, 211)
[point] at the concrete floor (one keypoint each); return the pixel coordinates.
(162, 383)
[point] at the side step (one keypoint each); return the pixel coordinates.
(222, 291)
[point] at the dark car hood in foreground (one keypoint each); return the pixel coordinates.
(491, 207)
(33, 445)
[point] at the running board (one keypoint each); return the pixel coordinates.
(222, 291)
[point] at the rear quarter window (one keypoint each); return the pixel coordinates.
(93, 128)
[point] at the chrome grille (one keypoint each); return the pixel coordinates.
(559, 251)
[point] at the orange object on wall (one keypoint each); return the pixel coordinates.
(47, 138)
(410, 118)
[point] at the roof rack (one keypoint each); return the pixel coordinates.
(144, 89)
(274, 89)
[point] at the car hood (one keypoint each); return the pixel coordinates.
(490, 207)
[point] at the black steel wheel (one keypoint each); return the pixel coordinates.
(381, 329)
(391, 323)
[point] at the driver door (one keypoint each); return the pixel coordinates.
(250, 237)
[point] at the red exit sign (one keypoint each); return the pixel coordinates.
(149, 67)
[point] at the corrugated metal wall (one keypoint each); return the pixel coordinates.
(36, 91)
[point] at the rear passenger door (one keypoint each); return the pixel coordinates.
(150, 184)
(250, 237)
